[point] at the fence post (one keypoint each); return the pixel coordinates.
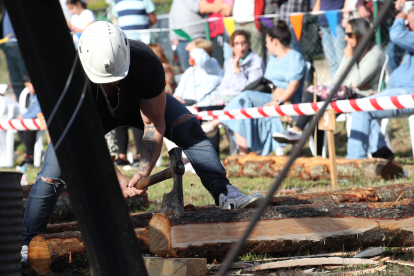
(378, 31)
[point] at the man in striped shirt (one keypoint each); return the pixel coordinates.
(135, 15)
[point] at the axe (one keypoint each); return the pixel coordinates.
(174, 199)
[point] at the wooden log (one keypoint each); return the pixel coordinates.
(212, 233)
(63, 208)
(48, 249)
(177, 267)
(388, 193)
(312, 168)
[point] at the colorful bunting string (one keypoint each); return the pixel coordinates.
(267, 21)
(332, 17)
(183, 34)
(229, 24)
(297, 21)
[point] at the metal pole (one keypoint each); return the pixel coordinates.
(275, 185)
(378, 33)
(87, 169)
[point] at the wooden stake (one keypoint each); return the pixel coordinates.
(177, 267)
(328, 123)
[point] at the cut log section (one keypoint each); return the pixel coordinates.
(389, 193)
(48, 249)
(63, 209)
(312, 168)
(176, 267)
(283, 228)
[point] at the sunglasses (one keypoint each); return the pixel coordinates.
(350, 34)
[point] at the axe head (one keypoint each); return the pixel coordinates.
(174, 200)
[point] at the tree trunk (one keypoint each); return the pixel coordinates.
(58, 249)
(313, 168)
(63, 210)
(211, 233)
(389, 193)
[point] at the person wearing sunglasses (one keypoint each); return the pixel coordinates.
(361, 81)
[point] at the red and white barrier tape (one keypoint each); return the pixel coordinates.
(23, 125)
(344, 106)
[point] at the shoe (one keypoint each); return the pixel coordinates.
(27, 162)
(135, 164)
(235, 199)
(24, 253)
(121, 162)
(290, 136)
(209, 129)
(384, 153)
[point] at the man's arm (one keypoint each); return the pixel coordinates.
(400, 35)
(206, 7)
(317, 5)
(152, 112)
(152, 18)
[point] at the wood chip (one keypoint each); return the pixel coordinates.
(369, 252)
(404, 263)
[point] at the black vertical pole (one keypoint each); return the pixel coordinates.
(86, 166)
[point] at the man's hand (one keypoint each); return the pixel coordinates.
(363, 12)
(401, 15)
(235, 59)
(272, 103)
(128, 191)
(399, 4)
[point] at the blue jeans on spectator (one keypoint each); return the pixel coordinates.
(395, 55)
(295, 44)
(16, 66)
(361, 122)
(333, 47)
(188, 135)
(183, 55)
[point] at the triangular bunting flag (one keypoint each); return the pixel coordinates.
(332, 17)
(216, 26)
(267, 21)
(181, 33)
(297, 25)
(229, 24)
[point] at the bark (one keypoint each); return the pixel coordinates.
(313, 168)
(58, 249)
(63, 210)
(389, 193)
(211, 233)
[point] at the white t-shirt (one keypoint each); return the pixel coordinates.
(243, 11)
(82, 20)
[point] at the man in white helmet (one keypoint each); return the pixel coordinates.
(127, 83)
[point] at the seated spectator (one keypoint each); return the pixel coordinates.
(29, 137)
(81, 17)
(243, 68)
(286, 71)
(399, 83)
(171, 85)
(362, 79)
(202, 77)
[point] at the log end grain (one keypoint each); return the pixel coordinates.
(160, 236)
(39, 255)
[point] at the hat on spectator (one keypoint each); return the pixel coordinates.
(104, 52)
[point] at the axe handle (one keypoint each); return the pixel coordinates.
(154, 179)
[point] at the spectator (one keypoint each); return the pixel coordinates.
(286, 71)
(184, 12)
(399, 83)
(333, 46)
(9, 109)
(364, 76)
(135, 15)
(15, 62)
(171, 84)
(243, 68)
(243, 13)
(204, 75)
(81, 17)
(29, 137)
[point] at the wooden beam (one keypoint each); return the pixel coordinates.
(177, 267)
(312, 168)
(284, 228)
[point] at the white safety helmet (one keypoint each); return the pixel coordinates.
(104, 52)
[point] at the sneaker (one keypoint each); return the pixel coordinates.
(290, 136)
(209, 130)
(27, 162)
(24, 253)
(384, 153)
(235, 199)
(135, 164)
(121, 162)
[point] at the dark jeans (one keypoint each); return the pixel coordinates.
(16, 66)
(188, 135)
(122, 138)
(183, 55)
(29, 139)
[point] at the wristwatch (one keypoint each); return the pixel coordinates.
(279, 102)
